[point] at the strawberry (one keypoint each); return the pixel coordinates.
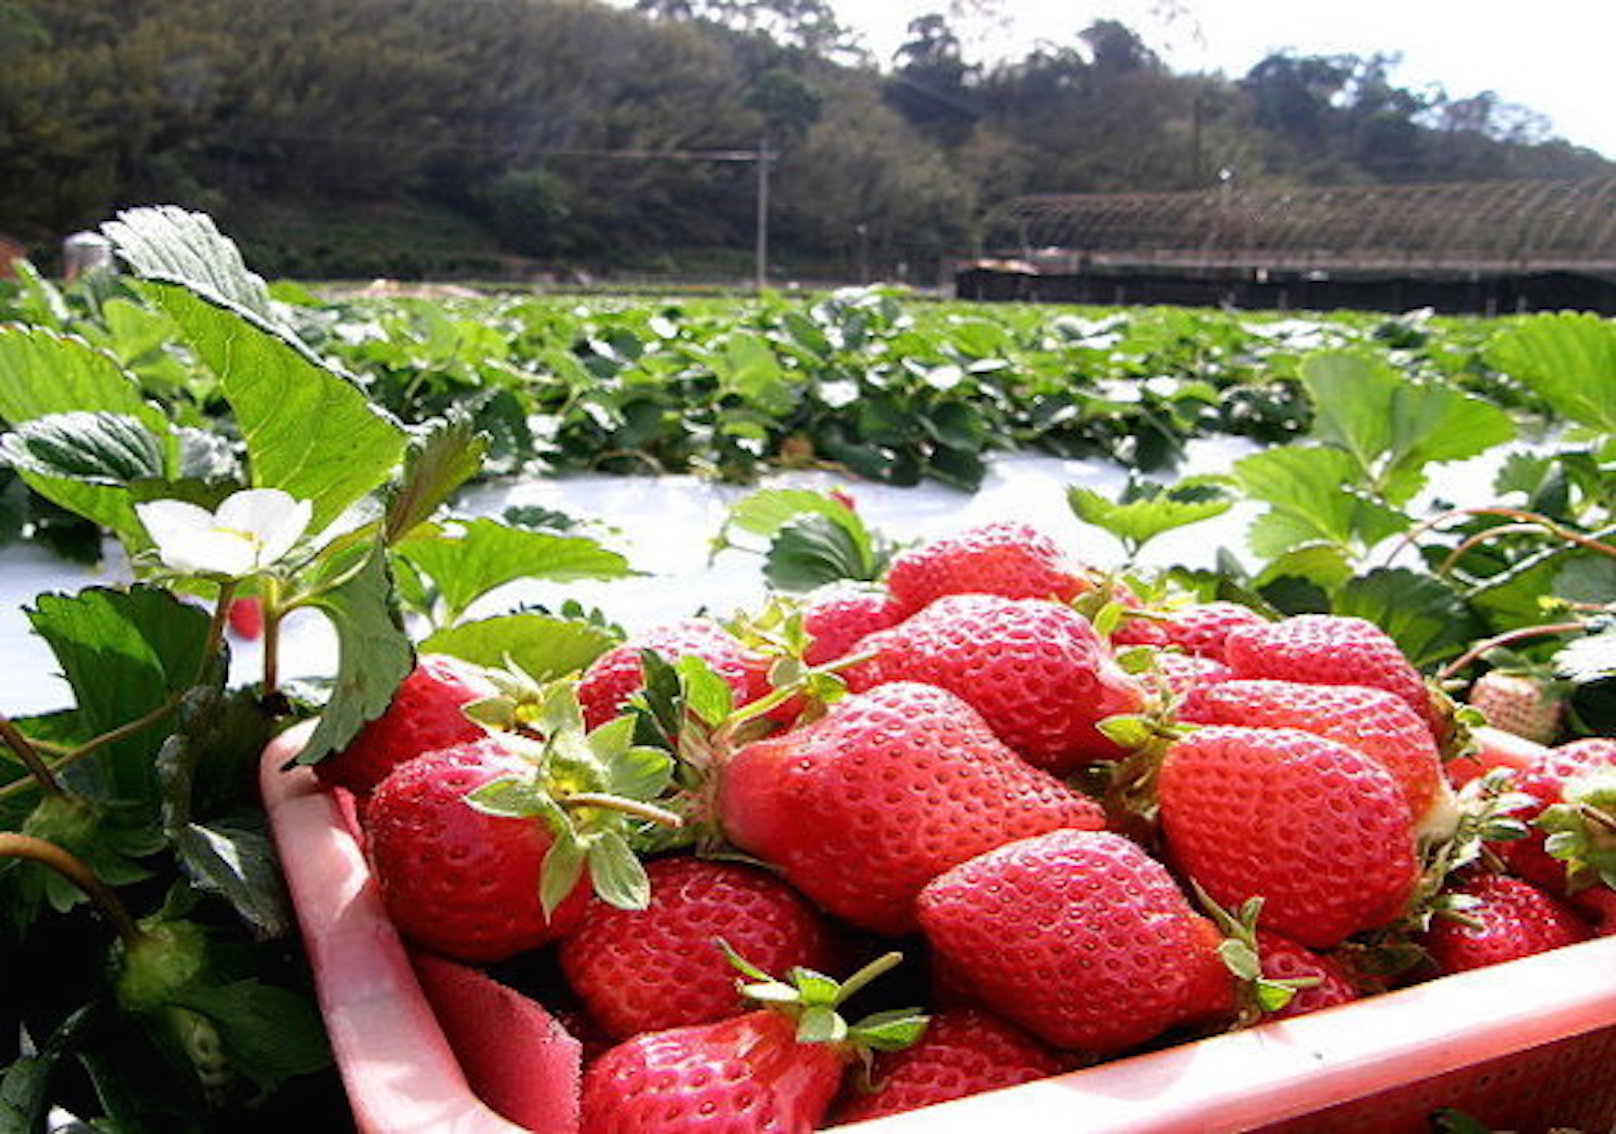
(863, 807)
(1078, 936)
(1329, 649)
(1377, 723)
(1317, 829)
(661, 967)
(427, 712)
(1006, 558)
(1518, 704)
(837, 618)
(1329, 981)
(964, 1051)
(616, 675)
(771, 1071)
(1582, 768)
(1202, 628)
(491, 847)
(1035, 670)
(454, 878)
(246, 617)
(1508, 919)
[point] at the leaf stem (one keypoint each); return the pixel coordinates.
(69, 866)
(42, 773)
(1505, 639)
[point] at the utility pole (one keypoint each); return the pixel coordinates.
(763, 213)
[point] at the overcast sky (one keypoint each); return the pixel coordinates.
(1553, 56)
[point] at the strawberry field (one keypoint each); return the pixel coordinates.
(1403, 556)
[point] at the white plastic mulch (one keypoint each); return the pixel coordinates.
(664, 525)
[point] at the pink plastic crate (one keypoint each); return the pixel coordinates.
(432, 1046)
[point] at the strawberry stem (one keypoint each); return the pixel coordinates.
(69, 866)
(637, 808)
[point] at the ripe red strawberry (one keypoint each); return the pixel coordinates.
(1287, 960)
(964, 1051)
(616, 675)
(246, 617)
(661, 967)
(455, 878)
(1545, 780)
(1372, 720)
(1319, 830)
(1202, 628)
(1138, 626)
(427, 712)
(772, 1071)
(1328, 649)
(863, 807)
(1078, 936)
(1035, 670)
(1011, 559)
(1515, 919)
(838, 617)
(1517, 704)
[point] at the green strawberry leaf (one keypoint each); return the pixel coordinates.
(1391, 426)
(168, 243)
(1566, 359)
(42, 374)
(616, 872)
(373, 652)
(1307, 490)
(1240, 958)
(1146, 510)
(1427, 618)
(124, 653)
(813, 549)
(308, 430)
(467, 560)
(97, 448)
(1590, 659)
(269, 1034)
(25, 1094)
(442, 456)
(814, 989)
(542, 645)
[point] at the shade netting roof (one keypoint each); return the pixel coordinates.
(1497, 225)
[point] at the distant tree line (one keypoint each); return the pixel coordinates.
(573, 132)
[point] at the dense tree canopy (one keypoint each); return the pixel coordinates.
(573, 131)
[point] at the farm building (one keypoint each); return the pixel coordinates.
(1483, 247)
(9, 250)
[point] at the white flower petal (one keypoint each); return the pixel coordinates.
(213, 552)
(277, 541)
(174, 526)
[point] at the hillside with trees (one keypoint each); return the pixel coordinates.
(503, 137)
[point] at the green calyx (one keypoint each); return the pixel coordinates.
(814, 1000)
(597, 794)
(166, 958)
(1257, 994)
(1581, 829)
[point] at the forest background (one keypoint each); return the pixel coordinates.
(530, 139)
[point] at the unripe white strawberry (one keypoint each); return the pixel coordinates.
(1517, 704)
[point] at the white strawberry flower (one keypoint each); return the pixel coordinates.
(249, 531)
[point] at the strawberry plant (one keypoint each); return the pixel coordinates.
(185, 1004)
